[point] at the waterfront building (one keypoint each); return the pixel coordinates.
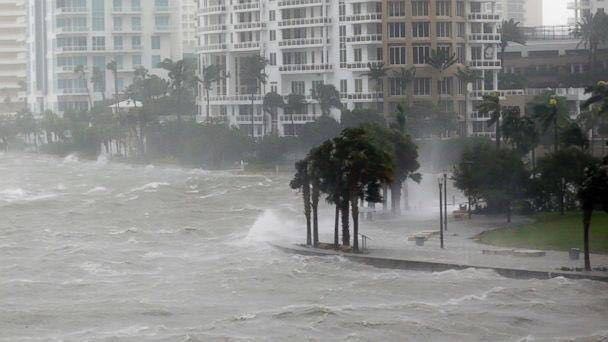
(311, 42)
(66, 33)
(582, 8)
(13, 59)
(526, 12)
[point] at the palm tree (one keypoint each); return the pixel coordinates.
(549, 114)
(405, 76)
(295, 104)
(591, 31)
(80, 71)
(302, 181)
(510, 32)
(23, 88)
(599, 97)
(592, 194)
(377, 73)
(315, 181)
(366, 168)
(113, 67)
(440, 60)
(210, 74)
(520, 131)
(98, 78)
(183, 78)
(253, 72)
(490, 105)
(467, 76)
(328, 97)
(272, 102)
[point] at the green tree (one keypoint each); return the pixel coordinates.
(593, 194)
(510, 32)
(182, 85)
(272, 102)
(377, 73)
(441, 61)
(490, 105)
(599, 97)
(113, 67)
(301, 181)
(209, 75)
(573, 135)
(82, 75)
(551, 112)
(253, 73)
(519, 131)
(328, 97)
(360, 116)
(591, 30)
(98, 78)
(404, 77)
(315, 133)
(296, 103)
(467, 76)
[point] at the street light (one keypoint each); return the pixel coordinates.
(445, 201)
(439, 181)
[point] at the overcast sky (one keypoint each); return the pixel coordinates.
(555, 12)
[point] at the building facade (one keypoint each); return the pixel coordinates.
(13, 59)
(582, 8)
(526, 12)
(311, 42)
(67, 33)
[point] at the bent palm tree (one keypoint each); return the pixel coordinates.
(113, 67)
(377, 73)
(272, 102)
(295, 104)
(301, 181)
(510, 32)
(591, 31)
(328, 97)
(467, 76)
(253, 72)
(440, 60)
(490, 105)
(210, 74)
(80, 71)
(405, 76)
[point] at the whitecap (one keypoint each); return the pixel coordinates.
(150, 187)
(96, 189)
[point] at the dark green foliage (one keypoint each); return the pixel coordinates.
(358, 117)
(314, 133)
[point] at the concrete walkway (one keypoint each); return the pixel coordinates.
(389, 241)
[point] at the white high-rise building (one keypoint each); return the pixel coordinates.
(188, 20)
(527, 12)
(583, 8)
(91, 33)
(309, 42)
(13, 59)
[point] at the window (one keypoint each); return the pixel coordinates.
(396, 30)
(136, 42)
(155, 61)
(358, 55)
(161, 3)
(397, 55)
(421, 53)
(117, 5)
(357, 29)
(460, 8)
(118, 43)
(343, 86)
(396, 87)
(298, 87)
(461, 30)
(422, 86)
(444, 8)
(420, 29)
(273, 35)
(420, 8)
(99, 43)
(358, 85)
(136, 23)
(161, 22)
(357, 8)
(396, 8)
(155, 40)
(136, 5)
(273, 58)
(271, 15)
(136, 61)
(444, 86)
(98, 15)
(444, 29)
(119, 62)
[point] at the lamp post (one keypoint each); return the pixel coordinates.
(439, 181)
(553, 105)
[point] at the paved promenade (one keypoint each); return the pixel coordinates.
(389, 240)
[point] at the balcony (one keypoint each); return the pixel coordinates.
(249, 26)
(246, 119)
(484, 17)
(297, 118)
(362, 18)
(163, 9)
(73, 91)
(478, 94)
(306, 68)
(72, 30)
(232, 99)
(212, 28)
(245, 46)
(365, 39)
(212, 10)
(305, 22)
(367, 97)
(299, 3)
(126, 10)
(359, 65)
(301, 42)
(485, 64)
(72, 48)
(72, 11)
(484, 38)
(248, 6)
(213, 47)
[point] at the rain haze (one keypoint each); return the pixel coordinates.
(302, 170)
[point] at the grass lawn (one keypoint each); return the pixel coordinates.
(552, 231)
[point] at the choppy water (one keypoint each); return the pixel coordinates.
(97, 251)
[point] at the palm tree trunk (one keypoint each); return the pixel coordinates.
(385, 197)
(555, 138)
(355, 212)
(337, 226)
(315, 215)
(466, 112)
(469, 207)
(307, 207)
(586, 226)
(252, 121)
(396, 198)
(345, 221)
(208, 105)
(498, 133)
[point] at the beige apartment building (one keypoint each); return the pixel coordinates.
(12, 55)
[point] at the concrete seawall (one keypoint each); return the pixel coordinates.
(434, 266)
